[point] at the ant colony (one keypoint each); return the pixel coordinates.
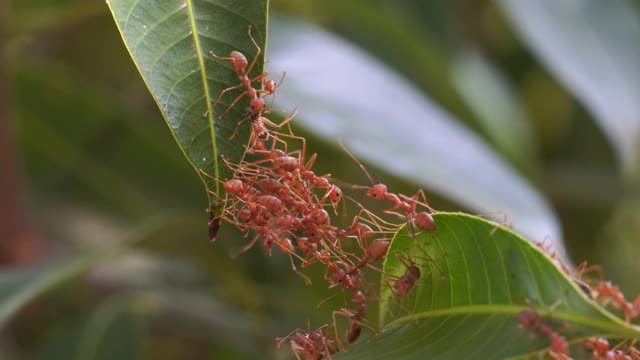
(276, 197)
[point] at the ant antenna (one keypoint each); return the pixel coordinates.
(344, 147)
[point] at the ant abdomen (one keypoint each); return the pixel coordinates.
(424, 221)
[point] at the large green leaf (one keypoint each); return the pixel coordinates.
(476, 278)
(169, 42)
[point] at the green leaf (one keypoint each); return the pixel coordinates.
(169, 41)
(475, 279)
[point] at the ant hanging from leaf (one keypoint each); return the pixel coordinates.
(239, 63)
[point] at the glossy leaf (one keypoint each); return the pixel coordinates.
(169, 41)
(342, 92)
(491, 97)
(592, 47)
(475, 279)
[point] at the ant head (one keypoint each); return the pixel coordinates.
(270, 86)
(244, 214)
(316, 335)
(233, 186)
(268, 243)
(256, 105)
(239, 62)
(528, 319)
(377, 191)
(335, 194)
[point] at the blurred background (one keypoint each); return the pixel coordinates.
(524, 106)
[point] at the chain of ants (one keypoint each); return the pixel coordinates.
(278, 197)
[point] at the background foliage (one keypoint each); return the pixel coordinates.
(98, 171)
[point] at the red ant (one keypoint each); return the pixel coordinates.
(402, 202)
(239, 63)
(356, 318)
(606, 291)
(313, 345)
(600, 350)
(530, 320)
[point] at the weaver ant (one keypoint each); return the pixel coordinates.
(312, 345)
(355, 317)
(530, 320)
(399, 201)
(607, 292)
(239, 63)
(600, 350)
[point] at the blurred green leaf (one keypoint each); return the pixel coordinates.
(20, 286)
(393, 126)
(592, 47)
(492, 98)
(169, 42)
(475, 279)
(114, 331)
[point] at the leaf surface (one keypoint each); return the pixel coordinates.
(475, 279)
(169, 41)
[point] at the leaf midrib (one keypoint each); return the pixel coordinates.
(205, 85)
(611, 326)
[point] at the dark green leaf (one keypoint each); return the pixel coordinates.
(169, 42)
(475, 278)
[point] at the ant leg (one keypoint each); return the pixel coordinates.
(354, 158)
(246, 247)
(327, 299)
(311, 161)
(281, 340)
(293, 267)
(220, 98)
(342, 312)
(285, 121)
(229, 58)
(414, 200)
(259, 78)
(505, 217)
(237, 127)
(255, 58)
(233, 103)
